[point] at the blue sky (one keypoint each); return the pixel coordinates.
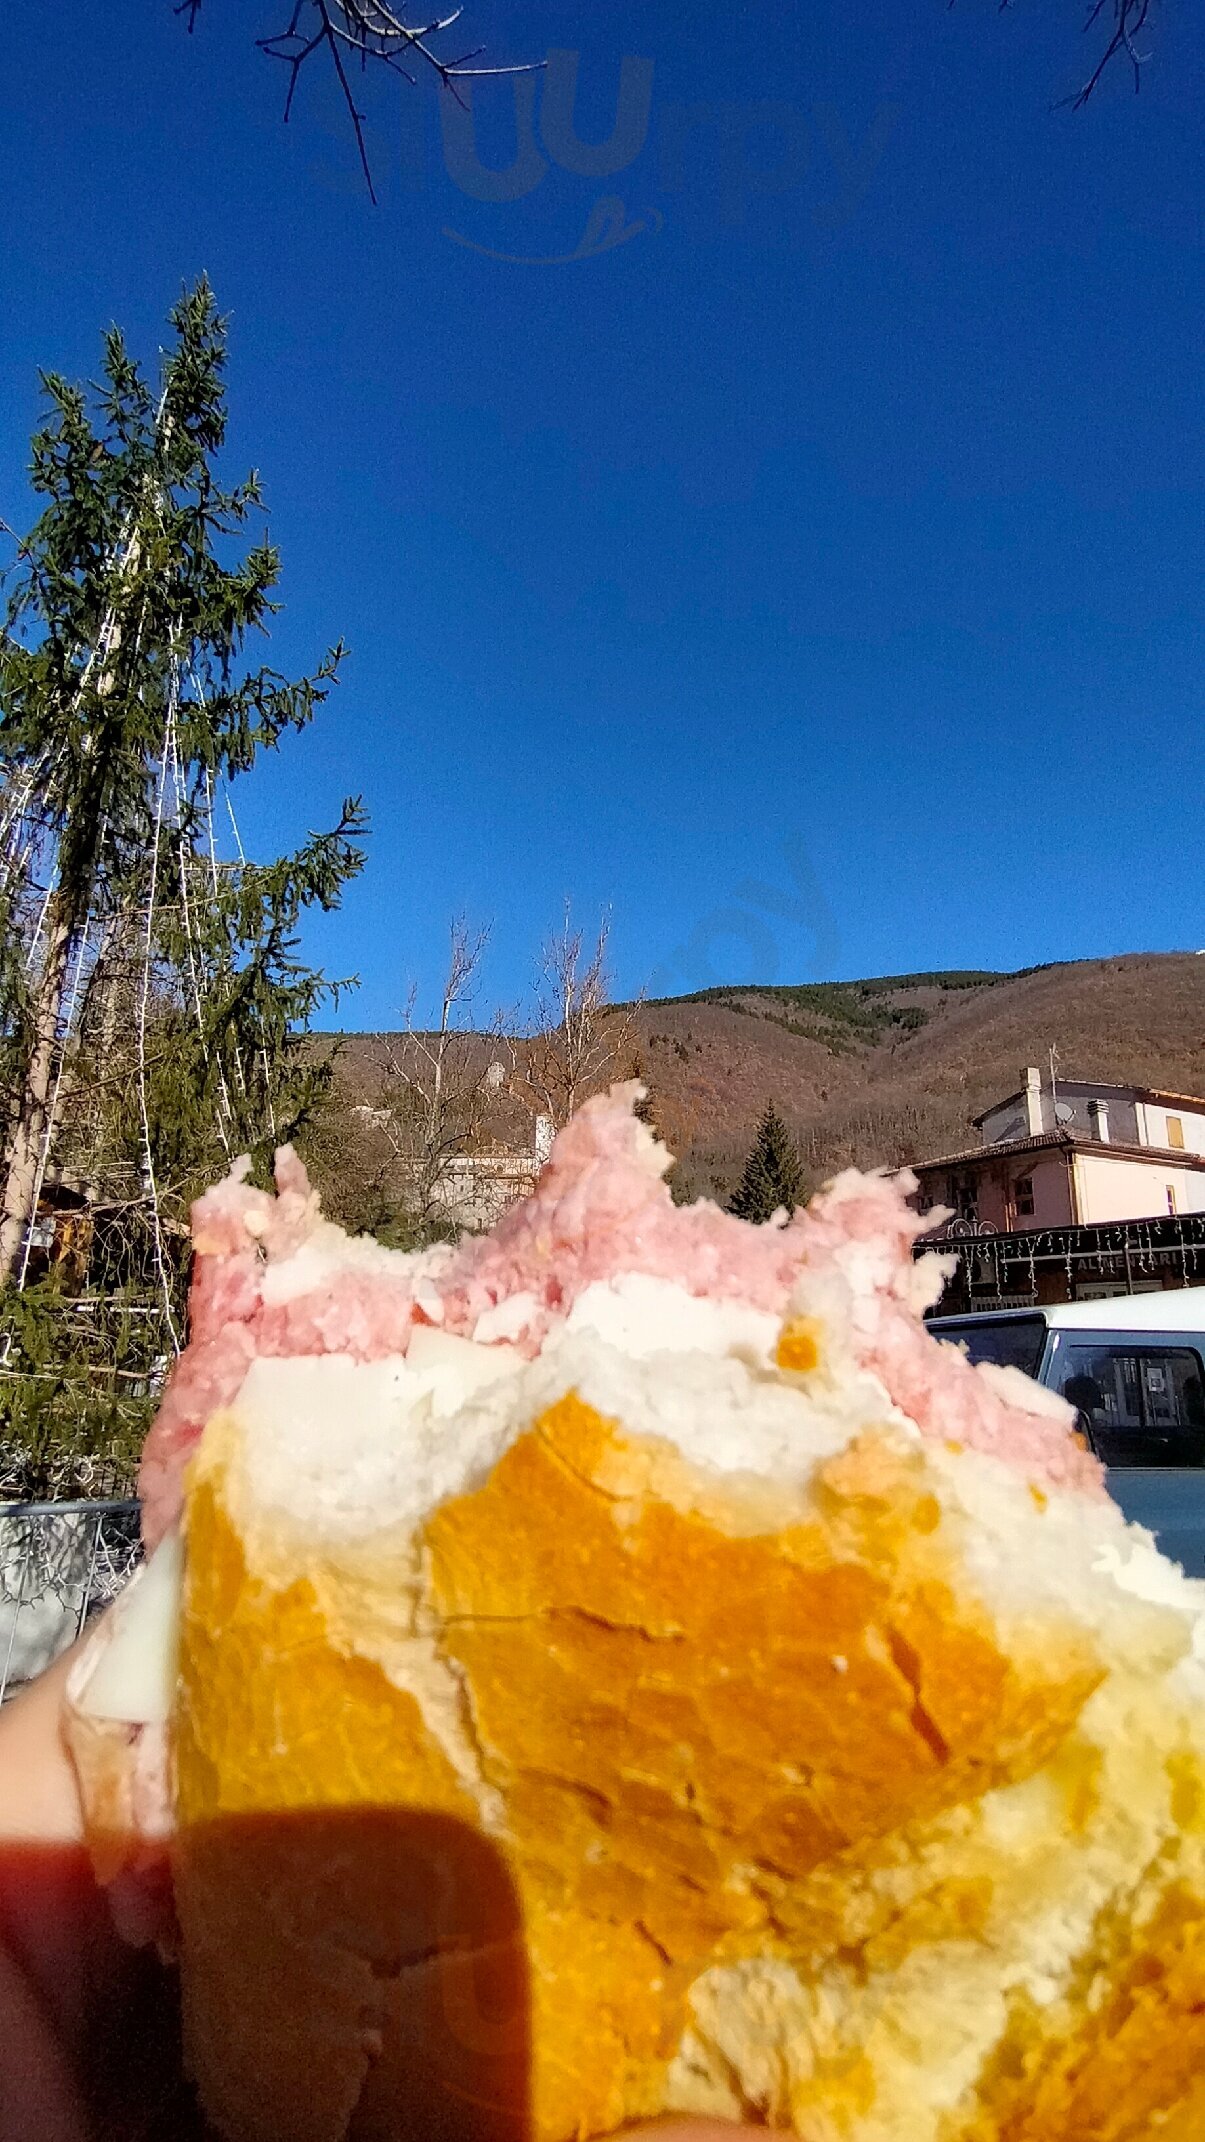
(813, 577)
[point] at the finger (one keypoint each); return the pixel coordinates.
(39, 1797)
(54, 1928)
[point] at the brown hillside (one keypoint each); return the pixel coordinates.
(886, 1070)
(940, 1055)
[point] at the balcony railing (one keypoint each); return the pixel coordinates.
(59, 1563)
(1054, 1263)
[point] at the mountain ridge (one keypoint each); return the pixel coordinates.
(893, 1069)
(887, 1069)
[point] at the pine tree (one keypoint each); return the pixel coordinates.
(644, 1109)
(152, 1002)
(773, 1177)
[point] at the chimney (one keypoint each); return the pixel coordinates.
(1034, 1125)
(545, 1131)
(1098, 1117)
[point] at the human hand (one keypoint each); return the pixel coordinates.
(90, 2027)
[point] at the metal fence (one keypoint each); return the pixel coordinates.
(1052, 1264)
(59, 1563)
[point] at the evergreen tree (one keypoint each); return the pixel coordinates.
(152, 1003)
(773, 1177)
(645, 1108)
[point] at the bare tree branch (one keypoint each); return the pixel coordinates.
(1126, 20)
(374, 33)
(1129, 19)
(580, 1042)
(439, 1083)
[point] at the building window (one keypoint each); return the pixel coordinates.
(1171, 1198)
(1024, 1188)
(964, 1196)
(1175, 1133)
(1144, 1406)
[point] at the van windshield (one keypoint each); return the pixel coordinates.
(1012, 1342)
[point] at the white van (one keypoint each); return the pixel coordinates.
(1134, 1367)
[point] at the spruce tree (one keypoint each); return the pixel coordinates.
(152, 1002)
(773, 1176)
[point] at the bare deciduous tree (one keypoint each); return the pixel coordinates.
(452, 1129)
(580, 1042)
(364, 33)
(440, 1080)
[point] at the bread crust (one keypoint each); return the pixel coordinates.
(694, 1721)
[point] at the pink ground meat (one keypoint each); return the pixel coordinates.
(599, 1211)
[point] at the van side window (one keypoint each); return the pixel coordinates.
(1145, 1405)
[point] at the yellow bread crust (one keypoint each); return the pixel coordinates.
(1134, 2068)
(769, 1696)
(854, 2042)
(688, 1705)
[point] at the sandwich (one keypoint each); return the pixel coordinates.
(625, 1664)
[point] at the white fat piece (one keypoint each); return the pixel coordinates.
(640, 1316)
(338, 1444)
(452, 1368)
(506, 1320)
(134, 1679)
(335, 1399)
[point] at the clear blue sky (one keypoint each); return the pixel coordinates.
(838, 533)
